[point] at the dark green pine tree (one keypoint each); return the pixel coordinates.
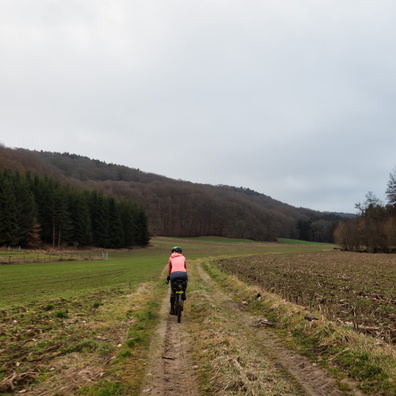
(9, 231)
(81, 233)
(127, 212)
(116, 233)
(142, 235)
(99, 219)
(62, 223)
(26, 208)
(43, 190)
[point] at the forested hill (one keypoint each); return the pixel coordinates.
(180, 208)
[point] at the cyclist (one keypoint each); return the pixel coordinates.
(177, 269)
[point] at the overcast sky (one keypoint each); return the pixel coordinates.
(295, 99)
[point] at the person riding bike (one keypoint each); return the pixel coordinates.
(177, 269)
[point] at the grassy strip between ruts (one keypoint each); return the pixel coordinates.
(94, 346)
(364, 359)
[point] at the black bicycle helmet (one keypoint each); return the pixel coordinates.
(177, 249)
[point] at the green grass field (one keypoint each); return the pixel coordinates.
(24, 282)
(31, 282)
(299, 242)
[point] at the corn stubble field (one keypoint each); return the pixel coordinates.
(82, 327)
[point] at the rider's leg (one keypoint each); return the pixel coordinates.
(172, 306)
(172, 297)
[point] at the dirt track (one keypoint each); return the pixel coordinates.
(172, 369)
(267, 368)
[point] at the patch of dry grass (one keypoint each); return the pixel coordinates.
(82, 352)
(127, 370)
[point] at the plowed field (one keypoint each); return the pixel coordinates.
(355, 289)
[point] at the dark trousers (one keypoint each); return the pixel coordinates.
(174, 276)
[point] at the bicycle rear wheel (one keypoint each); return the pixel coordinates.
(179, 307)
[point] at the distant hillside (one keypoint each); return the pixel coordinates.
(180, 208)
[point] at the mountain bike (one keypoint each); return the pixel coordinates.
(179, 286)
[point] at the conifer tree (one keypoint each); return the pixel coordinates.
(62, 219)
(26, 208)
(99, 219)
(8, 211)
(142, 237)
(46, 208)
(81, 233)
(127, 212)
(116, 233)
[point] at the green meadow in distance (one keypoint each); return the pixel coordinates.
(31, 282)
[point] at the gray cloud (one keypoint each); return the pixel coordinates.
(292, 99)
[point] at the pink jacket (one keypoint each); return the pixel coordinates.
(177, 263)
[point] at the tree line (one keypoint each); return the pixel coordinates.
(374, 228)
(180, 208)
(185, 209)
(36, 210)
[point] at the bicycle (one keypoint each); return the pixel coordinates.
(179, 286)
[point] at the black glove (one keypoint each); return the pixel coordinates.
(167, 279)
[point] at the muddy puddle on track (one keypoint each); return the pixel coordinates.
(172, 372)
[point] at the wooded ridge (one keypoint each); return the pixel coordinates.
(180, 208)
